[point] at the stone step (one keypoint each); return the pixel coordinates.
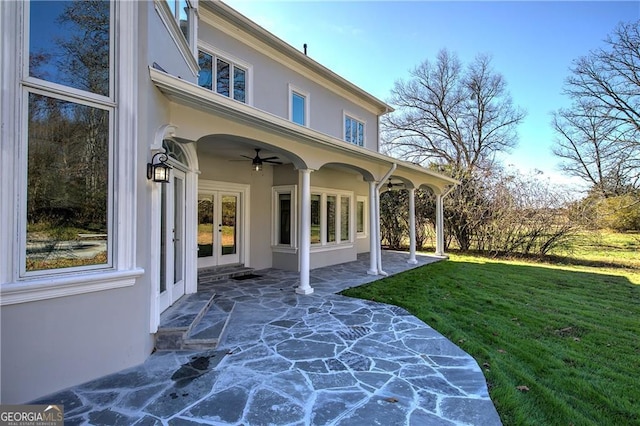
(209, 331)
(178, 320)
(207, 275)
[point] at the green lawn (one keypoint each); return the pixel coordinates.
(568, 332)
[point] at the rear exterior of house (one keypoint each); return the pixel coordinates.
(274, 163)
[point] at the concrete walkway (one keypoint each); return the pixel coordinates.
(287, 359)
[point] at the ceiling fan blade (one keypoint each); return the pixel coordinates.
(250, 158)
(270, 158)
(264, 160)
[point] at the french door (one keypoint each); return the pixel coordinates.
(172, 238)
(218, 228)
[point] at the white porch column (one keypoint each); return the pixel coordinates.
(305, 231)
(412, 226)
(439, 225)
(374, 242)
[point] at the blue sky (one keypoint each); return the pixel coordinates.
(375, 43)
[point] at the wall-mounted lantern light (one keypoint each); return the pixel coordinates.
(159, 171)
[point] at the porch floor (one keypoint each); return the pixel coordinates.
(287, 359)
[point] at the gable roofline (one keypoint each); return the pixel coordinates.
(253, 29)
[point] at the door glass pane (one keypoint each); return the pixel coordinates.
(205, 225)
(228, 224)
(284, 236)
(344, 218)
(315, 218)
(178, 230)
(163, 238)
(331, 218)
(69, 43)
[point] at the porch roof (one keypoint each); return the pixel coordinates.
(194, 96)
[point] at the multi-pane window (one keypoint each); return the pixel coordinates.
(353, 131)
(228, 78)
(69, 124)
(284, 216)
(330, 218)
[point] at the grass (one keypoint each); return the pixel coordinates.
(569, 332)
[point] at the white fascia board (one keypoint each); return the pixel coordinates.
(192, 95)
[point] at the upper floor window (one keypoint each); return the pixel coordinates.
(353, 131)
(228, 78)
(181, 11)
(68, 143)
(298, 106)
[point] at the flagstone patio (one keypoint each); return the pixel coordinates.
(287, 359)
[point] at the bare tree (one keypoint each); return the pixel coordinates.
(451, 114)
(599, 137)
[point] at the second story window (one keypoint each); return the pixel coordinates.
(298, 106)
(180, 10)
(223, 76)
(353, 131)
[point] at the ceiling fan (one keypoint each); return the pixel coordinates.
(256, 162)
(391, 185)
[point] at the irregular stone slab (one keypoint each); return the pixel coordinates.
(136, 399)
(268, 407)
(328, 406)
(470, 380)
(441, 346)
(377, 411)
(173, 400)
(373, 379)
(335, 380)
(470, 411)
(421, 418)
(355, 362)
(225, 406)
(108, 417)
(372, 348)
(295, 349)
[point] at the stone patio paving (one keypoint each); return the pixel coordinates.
(286, 359)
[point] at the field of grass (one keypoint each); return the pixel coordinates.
(559, 341)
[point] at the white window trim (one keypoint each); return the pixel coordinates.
(338, 243)
(275, 214)
(123, 273)
(365, 219)
(346, 114)
(307, 104)
(188, 49)
(234, 61)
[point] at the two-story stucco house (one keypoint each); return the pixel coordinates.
(273, 162)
